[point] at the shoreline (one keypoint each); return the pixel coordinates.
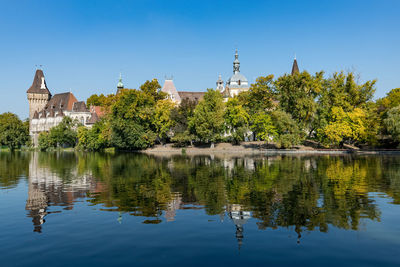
(258, 149)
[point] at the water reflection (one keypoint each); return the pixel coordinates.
(298, 193)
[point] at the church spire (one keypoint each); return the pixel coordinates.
(295, 67)
(236, 63)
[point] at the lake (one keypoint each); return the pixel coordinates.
(93, 209)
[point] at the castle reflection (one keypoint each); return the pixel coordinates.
(297, 193)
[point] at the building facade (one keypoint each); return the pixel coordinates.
(47, 111)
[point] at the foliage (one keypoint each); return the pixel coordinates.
(288, 133)
(344, 127)
(260, 96)
(392, 123)
(96, 100)
(44, 141)
(162, 120)
(180, 116)
(64, 134)
(236, 119)
(95, 138)
(264, 127)
(132, 117)
(297, 96)
(391, 100)
(13, 132)
(208, 118)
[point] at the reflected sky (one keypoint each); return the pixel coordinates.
(253, 209)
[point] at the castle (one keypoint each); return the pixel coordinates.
(47, 111)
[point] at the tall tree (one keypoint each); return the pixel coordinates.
(131, 120)
(297, 96)
(162, 120)
(208, 118)
(263, 126)
(180, 116)
(13, 132)
(260, 96)
(236, 119)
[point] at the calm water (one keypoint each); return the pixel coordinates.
(66, 209)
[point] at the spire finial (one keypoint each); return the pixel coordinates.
(236, 63)
(294, 56)
(120, 85)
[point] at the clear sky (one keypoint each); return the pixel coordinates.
(84, 45)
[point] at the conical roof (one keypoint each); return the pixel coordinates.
(170, 89)
(39, 85)
(295, 67)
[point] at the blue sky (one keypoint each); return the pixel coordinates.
(84, 45)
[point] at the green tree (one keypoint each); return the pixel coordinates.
(132, 117)
(180, 116)
(392, 123)
(208, 118)
(297, 96)
(64, 134)
(13, 132)
(236, 119)
(44, 141)
(260, 96)
(263, 127)
(341, 91)
(391, 100)
(96, 100)
(95, 138)
(288, 133)
(162, 120)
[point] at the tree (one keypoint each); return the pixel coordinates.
(344, 127)
(263, 127)
(297, 96)
(208, 118)
(391, 100)
(132, 118)
(44, 141)
(288, 133)
(392, 123)
(96, 100)
(180, 116)
(161, 119)
(64, 134)
(95, 138)
(13, 132)
(236, 119)
(152, 88)
(260, 96)
(341, 91)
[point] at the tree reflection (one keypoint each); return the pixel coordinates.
(301, 193)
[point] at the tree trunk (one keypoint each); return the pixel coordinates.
(212, 145)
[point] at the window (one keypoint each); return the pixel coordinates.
(239, 82)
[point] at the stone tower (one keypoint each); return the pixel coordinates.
(38, 94)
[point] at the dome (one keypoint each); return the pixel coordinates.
(237, 77)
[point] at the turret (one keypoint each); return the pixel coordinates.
(220, 84)
(38, 94)
(120, 85)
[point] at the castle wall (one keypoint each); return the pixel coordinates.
(37, 102)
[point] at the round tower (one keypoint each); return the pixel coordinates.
(38, 94)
